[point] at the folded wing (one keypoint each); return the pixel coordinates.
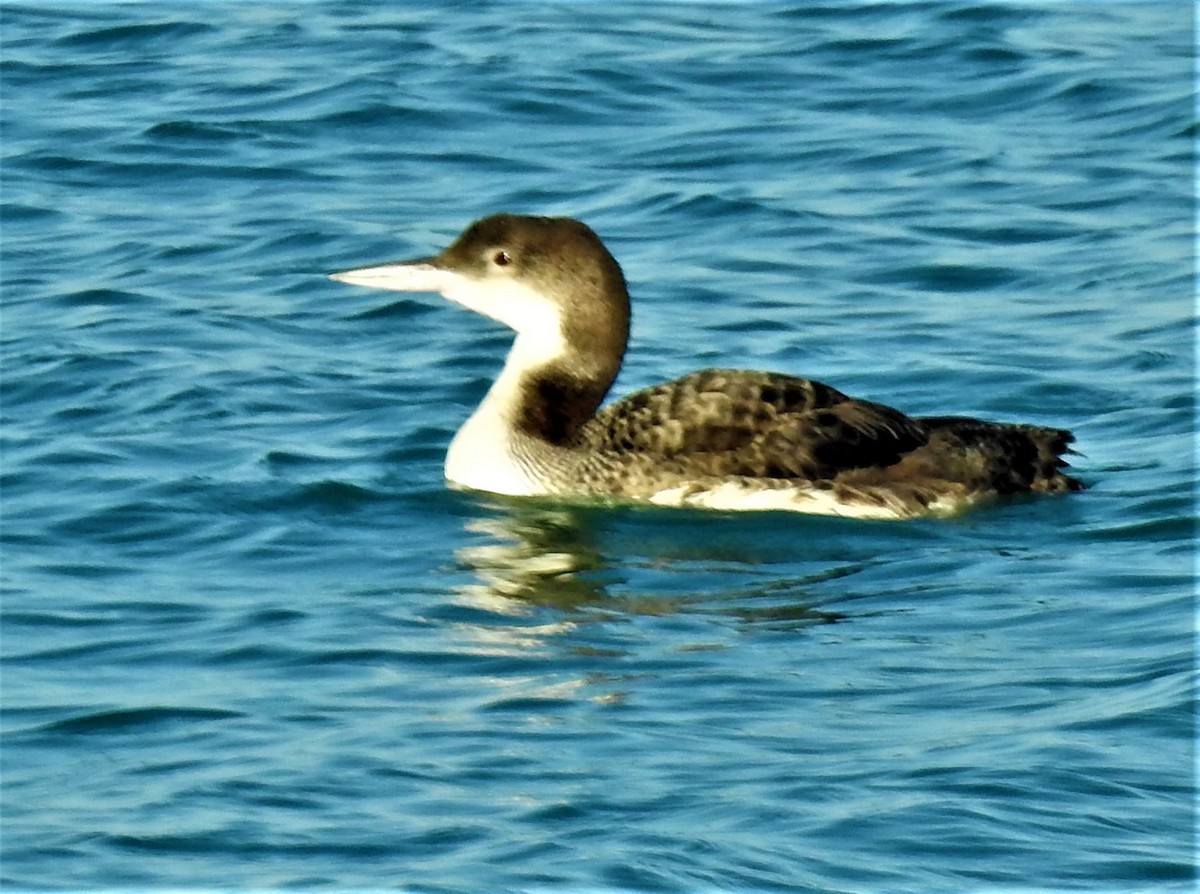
(759, 425)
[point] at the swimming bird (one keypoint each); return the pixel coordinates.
(717, 438)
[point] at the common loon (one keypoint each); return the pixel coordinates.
(718, 438)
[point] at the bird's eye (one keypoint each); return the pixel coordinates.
(501, 259)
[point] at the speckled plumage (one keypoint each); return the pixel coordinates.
(718, 438)
(777, 432)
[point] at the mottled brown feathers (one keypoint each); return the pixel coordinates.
(1004, 458)
(730, 424)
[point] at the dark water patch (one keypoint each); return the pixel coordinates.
(135, 36)
(192, 133)
(17, 212)
(337, 496)
(707, 205)
(215, 249)
(950, 278)
(1092, 200)
(1151, 871)
(788, 618)
(285, 459)
(86, 652)
(52, 619)
(1188, 132)
(103, 298)
(254, 655)
(235, 840)
(297, 242)
(528, 705)
(1004, 235)
(159, 611)
(78, 455)
(404, 308)
(194, 401)
(384, 118)
(421, 441)
(257, 794)
(347, 656)
(762, 325)
(134, 720)
(996, 57)
(868, 49)
(1168, 527)
(141, 174)
(1088, 94)
(989, 13)
(148, 525)
(500, 164)
(90, 570)
(271, 617)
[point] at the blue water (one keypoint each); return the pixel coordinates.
(251, 641)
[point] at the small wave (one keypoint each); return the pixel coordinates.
(948, 277)
(103, 298)
(133, 719)
(134, 36)
(323, 495)
(191, 132)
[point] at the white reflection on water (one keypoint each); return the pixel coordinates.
(592, 564)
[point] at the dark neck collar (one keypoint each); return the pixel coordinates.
(553, 404)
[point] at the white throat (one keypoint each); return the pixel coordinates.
(484, 454)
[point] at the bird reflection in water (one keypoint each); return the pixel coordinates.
(590, 562)
(537, 556)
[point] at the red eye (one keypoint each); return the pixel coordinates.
(502, 259)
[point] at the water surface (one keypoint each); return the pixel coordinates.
(251, 641)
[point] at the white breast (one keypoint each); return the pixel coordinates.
(481, 457)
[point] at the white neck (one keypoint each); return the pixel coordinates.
(482, 455)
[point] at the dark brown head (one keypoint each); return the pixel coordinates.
(546, 277)
(553, 282)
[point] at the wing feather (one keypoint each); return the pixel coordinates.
(762, 425)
